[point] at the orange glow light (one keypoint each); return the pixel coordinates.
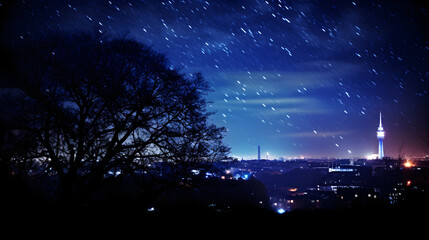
(408, 164)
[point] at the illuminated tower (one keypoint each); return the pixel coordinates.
(380, 136)
(259, 152)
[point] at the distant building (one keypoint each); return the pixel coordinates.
(259, 152)
(380, 136)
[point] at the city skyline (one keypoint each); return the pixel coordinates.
(300, 78)
(370, 156)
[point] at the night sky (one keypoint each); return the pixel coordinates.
(300, 78)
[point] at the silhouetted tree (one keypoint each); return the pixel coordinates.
(97, 109)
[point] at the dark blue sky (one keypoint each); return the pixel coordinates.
(299, 78)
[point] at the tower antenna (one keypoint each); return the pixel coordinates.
(380, 137)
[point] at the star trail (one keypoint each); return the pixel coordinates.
(298, 78)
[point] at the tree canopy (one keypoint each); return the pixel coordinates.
(93, 109)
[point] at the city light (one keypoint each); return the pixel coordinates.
(281, 211)
(151, 209)
(408, 164)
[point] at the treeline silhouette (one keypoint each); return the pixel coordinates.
(90, 120)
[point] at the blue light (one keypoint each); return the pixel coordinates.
(151, 209)
(281, 211)
(242, 175)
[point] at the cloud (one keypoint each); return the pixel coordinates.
(314, 134)
(304, 91)
(319, 74)
(275, 106)
(300, 110)
(283, 100)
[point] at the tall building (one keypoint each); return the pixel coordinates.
(259, 152)
(380, 136)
